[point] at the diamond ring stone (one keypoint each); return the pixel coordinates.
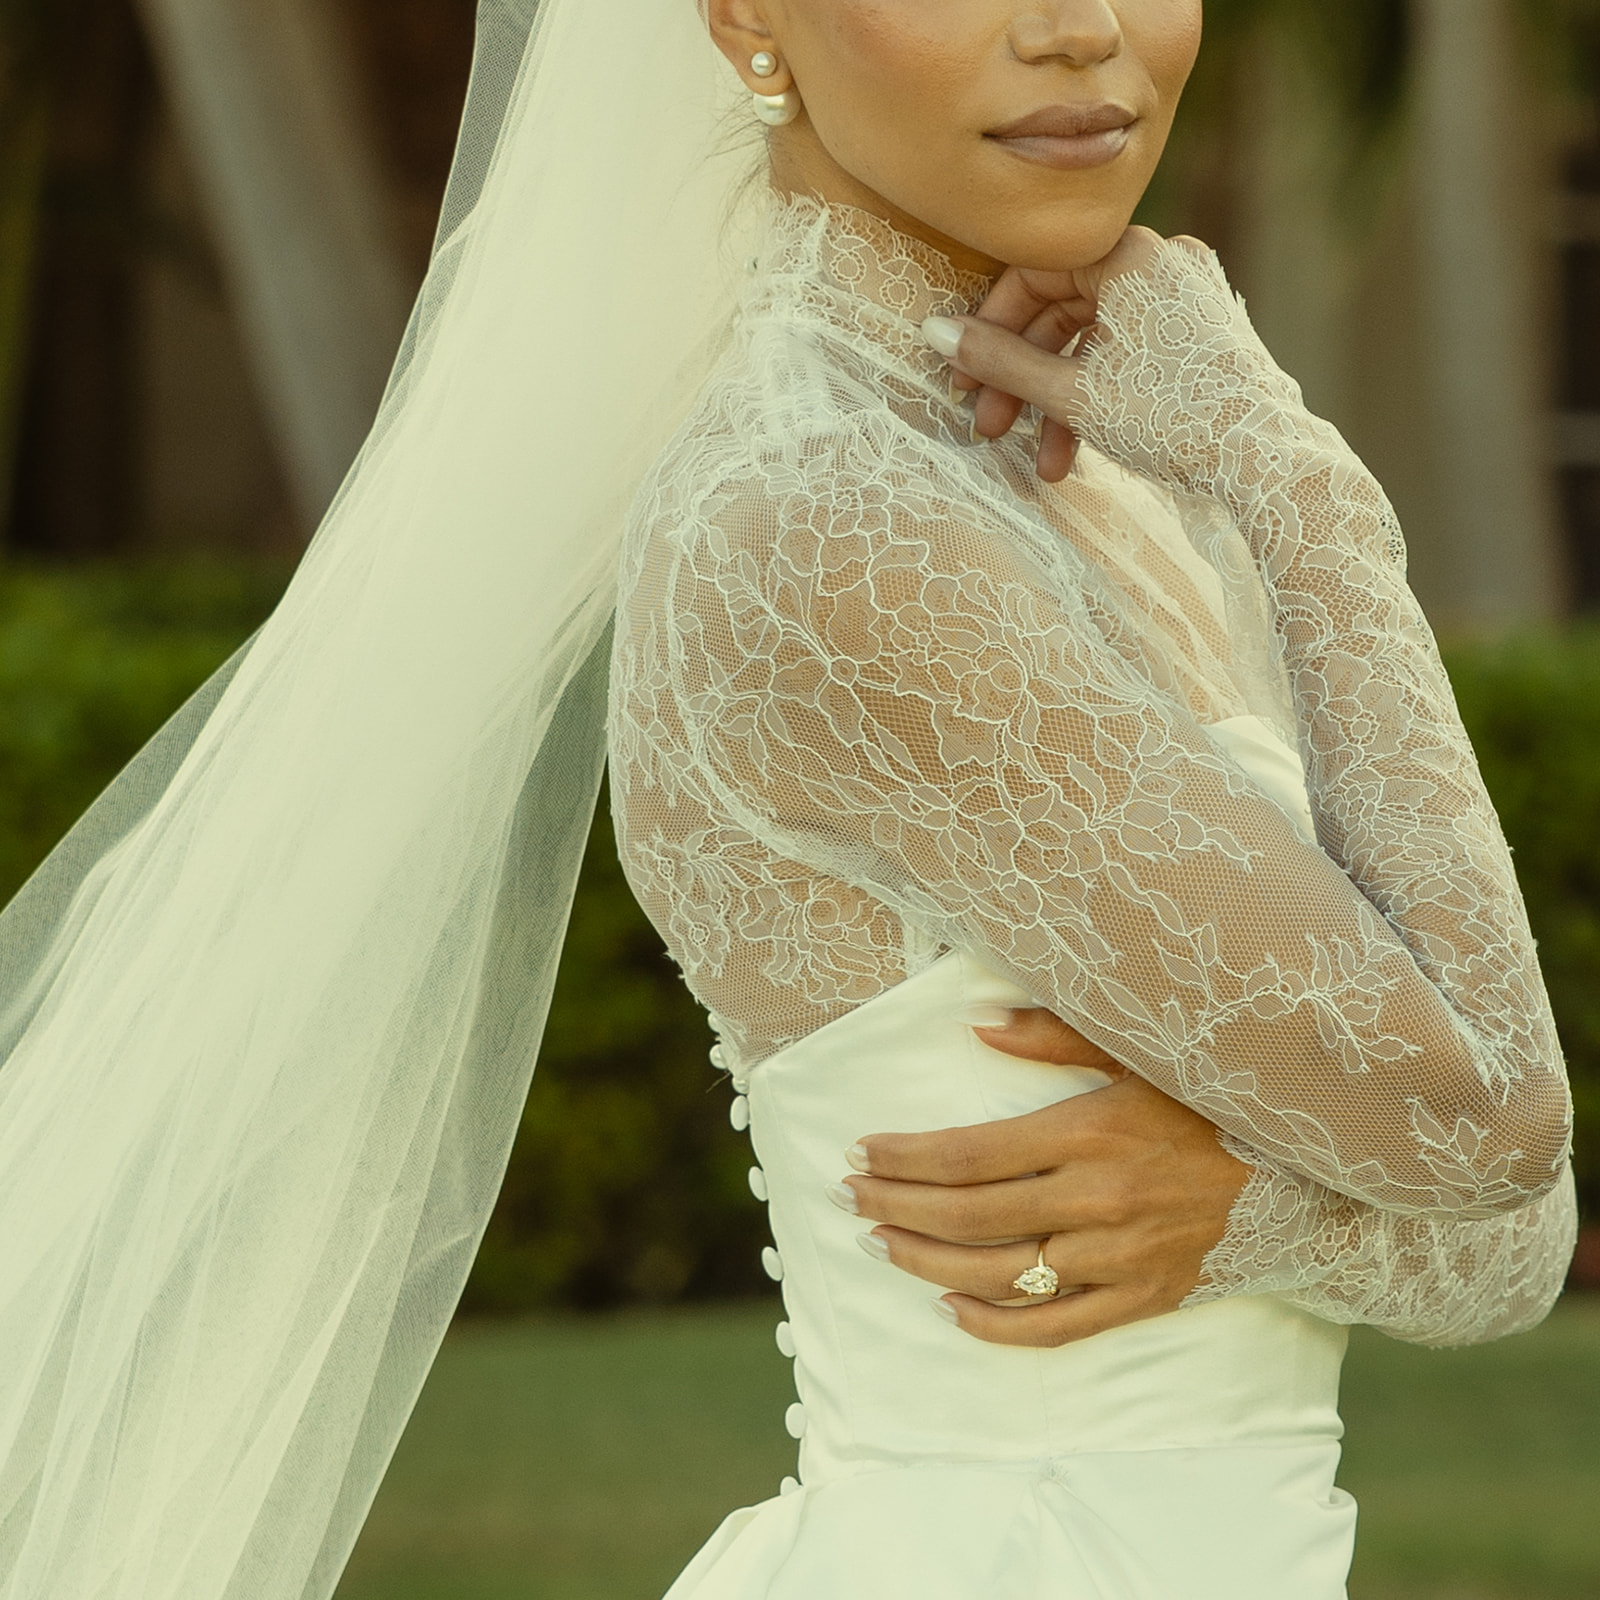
(1038, 1280)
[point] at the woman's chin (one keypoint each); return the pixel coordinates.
(1057, 243)
(1048, 231)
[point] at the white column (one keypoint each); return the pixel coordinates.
(270, 112)
(1478, 190)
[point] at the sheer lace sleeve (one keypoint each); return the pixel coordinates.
(1222, 420)
(881, 679)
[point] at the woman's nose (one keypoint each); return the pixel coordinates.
(1081, 32)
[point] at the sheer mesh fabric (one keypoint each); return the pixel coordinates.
(878, 692)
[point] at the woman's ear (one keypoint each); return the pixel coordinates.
(742, 33)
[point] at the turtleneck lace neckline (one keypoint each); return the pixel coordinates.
(859, 280)
(863, 255)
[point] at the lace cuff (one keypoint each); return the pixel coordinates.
(1422, 1279)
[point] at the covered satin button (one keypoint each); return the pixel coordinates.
(785, 1337)
(718, 1059)
(739, 1113)
(794, 1419)
(758, 1183)
(772, 1263)
(788, 1486)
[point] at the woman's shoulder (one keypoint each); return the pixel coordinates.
(772, 427)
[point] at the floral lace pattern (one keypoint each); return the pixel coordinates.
(879, 692)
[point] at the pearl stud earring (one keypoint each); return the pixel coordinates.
(777, 109)
(774, 109)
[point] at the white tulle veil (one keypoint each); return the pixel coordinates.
(270, 1011)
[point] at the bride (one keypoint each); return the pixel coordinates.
(912, 713)
(978, 627)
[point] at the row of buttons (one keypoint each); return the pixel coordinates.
(794, 1419)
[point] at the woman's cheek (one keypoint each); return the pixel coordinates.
(906, 54)
(885, 120)
(1165, 34)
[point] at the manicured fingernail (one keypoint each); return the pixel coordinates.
(944, 334)
(858, 1158)
(875, 1247)
(943, 1308)
(983, 1016)
(844, 1197)
(972, 432)
(959, 396)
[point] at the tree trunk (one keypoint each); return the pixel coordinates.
(1295, 247)
(273, 119)
(1477, 188)
(74, 491)
(22, 158)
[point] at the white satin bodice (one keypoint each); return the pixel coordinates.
(881, 1380)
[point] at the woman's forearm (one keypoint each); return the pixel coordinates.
(1399, 801)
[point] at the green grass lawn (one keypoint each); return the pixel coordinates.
(1478, 1471)
(586, 1459)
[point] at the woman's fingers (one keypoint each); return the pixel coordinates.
(1051, 329)
(987, 1152)
(993, 413)
(988, 1271)
(958, 1215)
(1046, 310)
(1020, 294)
(1036, 1033)
(1058, 450)
(1054, 1322)
(1009, 363)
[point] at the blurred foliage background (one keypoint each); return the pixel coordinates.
(152, 501)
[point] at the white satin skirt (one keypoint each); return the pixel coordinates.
(1187, 1457)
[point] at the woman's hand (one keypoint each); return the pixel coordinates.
(1129, 1188)
(1050, 310)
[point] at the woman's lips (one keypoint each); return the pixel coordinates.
(1068, 137)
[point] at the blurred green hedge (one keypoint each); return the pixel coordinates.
(627, 1182)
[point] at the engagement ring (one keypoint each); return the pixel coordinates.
(1039, 1280)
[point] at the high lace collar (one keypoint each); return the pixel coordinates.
(864, 279)
(862, 255)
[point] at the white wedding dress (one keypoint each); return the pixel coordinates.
(1188, 1456)
(895, 728)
